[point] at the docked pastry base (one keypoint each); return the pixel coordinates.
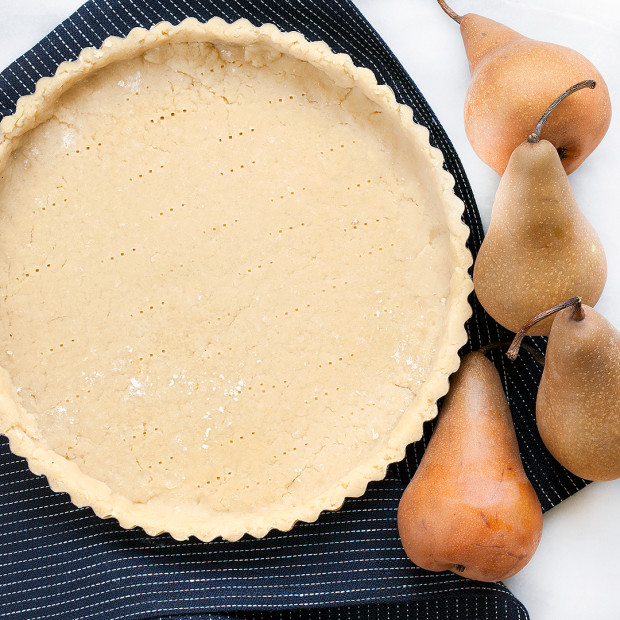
(235, 279)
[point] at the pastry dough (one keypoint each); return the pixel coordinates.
(234, 279)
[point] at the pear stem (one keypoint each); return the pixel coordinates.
(538, 357)
(578, 312)
(578, 315)
(534, 137)
(448, 11)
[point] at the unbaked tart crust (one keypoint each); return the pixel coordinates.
(233, 275)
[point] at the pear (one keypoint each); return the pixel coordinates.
(513, 80)
(539, 249)
(578, 402)
(470, 508)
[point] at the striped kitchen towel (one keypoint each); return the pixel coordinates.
(59, 561)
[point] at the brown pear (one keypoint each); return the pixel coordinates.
(578, 402)
(513, 80)
(539, 249)
(470, 508)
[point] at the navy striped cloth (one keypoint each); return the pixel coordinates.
(58, 561)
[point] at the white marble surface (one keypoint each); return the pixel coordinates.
(575, 573)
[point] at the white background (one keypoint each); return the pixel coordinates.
(575, 573)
